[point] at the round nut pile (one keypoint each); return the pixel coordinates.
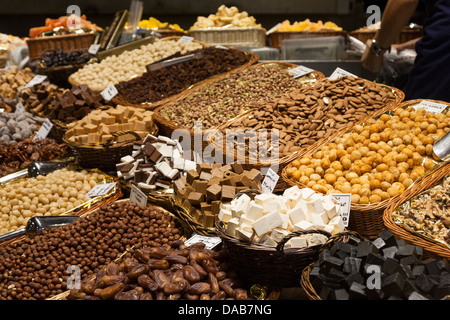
(165, 273)
(12, 80)
(50, 195)
(36, 267)
(377, 160)
(114, 69)
(315, 111)
(14, 126)
(230, 96)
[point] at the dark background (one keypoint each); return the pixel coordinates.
(17, 17)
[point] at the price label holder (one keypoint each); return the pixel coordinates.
(109, 93)
(19, 108)
(138, 197)
(44, 130)
(339, 73)
(344, 200)
(94, 48)
(100, 190)
(300, 71)
(430, 106)
(186, 39)
(270, 181)
(210, 242)
(38, 79)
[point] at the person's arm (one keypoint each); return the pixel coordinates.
(411, 44)
(395, 17)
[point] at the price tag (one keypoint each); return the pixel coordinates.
(270, 181)
(339, 73)
(186, 39)
(93, 49)
(344, 200)
(36, 80)
(274, 28)
(100, 190)
(109, 92)
(44, 130)
(210, 242)
(300, 71)
(221, 47)
(138, 197)
(430, 106)
(19, 108)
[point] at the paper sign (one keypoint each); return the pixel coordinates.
(186, 39)
(100, 190)
(431, 107)
(339, 73)
(274, 28)
(93, 49)
(109, 92)
(300, 71)
(19, 108)
(44, 130)
(344, 200)
(36, 80)
(210, 242)
(270, 181)
(138, 197)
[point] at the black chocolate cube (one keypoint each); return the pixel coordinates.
(390, 252)
(352, 265)
(393, 284)
(374, 258)
(364, 248)
(357, 291)
(390, 266)
(339, 294)
(388, 238)
(425, 283)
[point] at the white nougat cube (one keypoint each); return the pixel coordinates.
(337, 223)
(314, 206)
(240, 205)
(297, 242)
(264, 198)
(299, 213)
(319, 218)
(282, 202)
(254, 211)
(189, 165)
(268, 241)
(306, 193)
(286, 220)
(316, 239)
(232, 226)
(244, 232)
(331, 209)
(126, 159)
(178, 163)
(244, 220)
(303, 225)
(278, 234)
(272, 205)
(293, 195)
(316, 196)
(225, 215)
(267, 223)
(166, 151)
(329, 228)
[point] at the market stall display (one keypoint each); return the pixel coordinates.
(8, 43)
(90, 242)
(166, 29)
(303, 29)
(18, 156)
(12, 81)
(22, 126)
(342, 272)
(375, 161)
(408, 33)
(228, 26)
(163, 82)
(123, 67)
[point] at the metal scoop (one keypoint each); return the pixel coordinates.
(441, 149)
(35, 169)
(36, 224)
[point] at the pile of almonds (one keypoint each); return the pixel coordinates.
(315, 111)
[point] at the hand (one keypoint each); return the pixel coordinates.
(369, 60)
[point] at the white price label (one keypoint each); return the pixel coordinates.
(186, 39)
(210, 242)
(138, 197)
(44, 130)
(270, 181)
(339, 73)
(100, 190)
(19, 108)
(300, 71)
(221, 47)
(93, 49)
(36, 80)
(274, 28)
(109, 92)
(344, 200)
(431, 107)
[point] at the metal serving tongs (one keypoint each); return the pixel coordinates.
(33, 170)
(441, 149)
(36, 224)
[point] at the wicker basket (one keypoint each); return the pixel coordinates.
(70, 42)
(432, 249)
(167, 128)
(276, 38)
(103, 156)
(305, 281)
(253, 37)
(406, 35)
(365, 219)
(120, 100)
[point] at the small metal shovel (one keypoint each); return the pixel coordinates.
(36, 224)
(35, 169)
(441, 149)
